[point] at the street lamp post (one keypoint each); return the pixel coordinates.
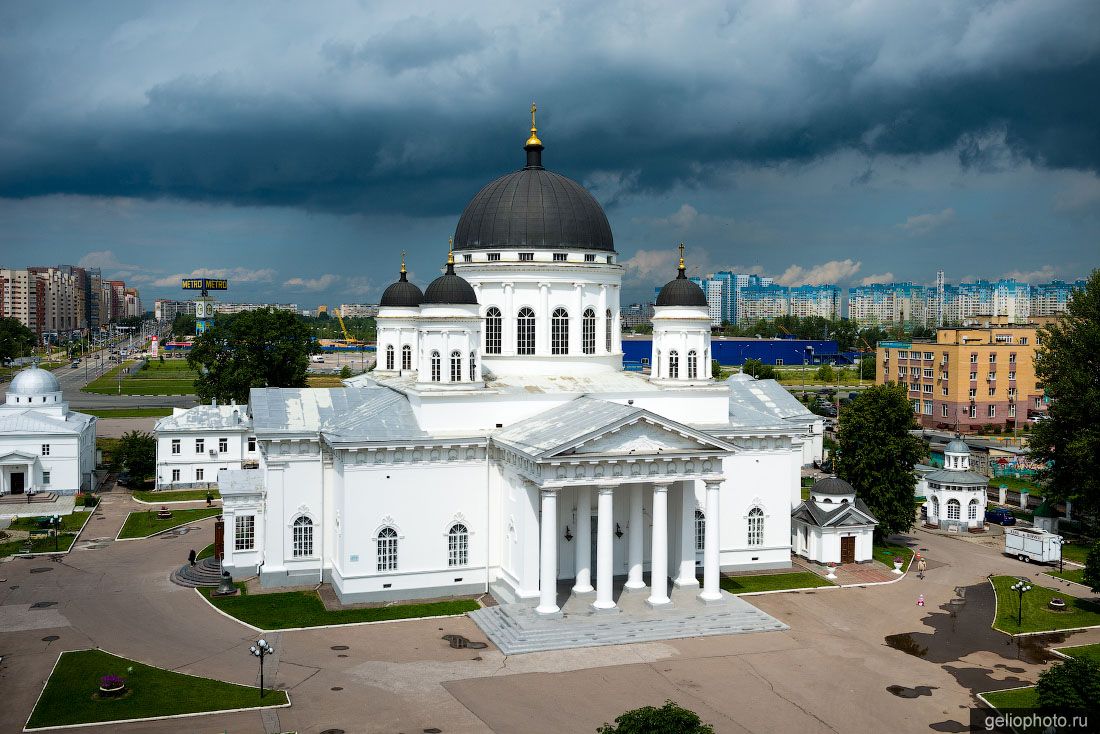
(56, 522)
(261, 650)
(1021, 588)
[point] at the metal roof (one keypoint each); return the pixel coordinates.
(33, 421)
(563, 425)
(34, 381)
(402, 293)
(681, 292)
(206, 418)
(343, 415)
(240, 481)
(846, 513)
(961, 478)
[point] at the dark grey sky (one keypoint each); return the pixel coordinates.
(296, 148)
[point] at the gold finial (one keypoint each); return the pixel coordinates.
(534, 139)
(681, 256)
(451, 251)
(403, 262)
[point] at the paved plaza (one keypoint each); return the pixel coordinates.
(831, 669)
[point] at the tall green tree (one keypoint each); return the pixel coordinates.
(183, 325)
(16, 340)
(669, 719)
(876, 454)
(1067, 364)
(261, 348)
(1072, 684)
(137, 455)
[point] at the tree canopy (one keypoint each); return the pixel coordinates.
(16, 340)
(183, 325)
(261, 348)
(669, 719)
(876, 454)
(137, 455)
(1067, 363)
(1072, 684)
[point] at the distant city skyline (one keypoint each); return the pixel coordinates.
(845, 143)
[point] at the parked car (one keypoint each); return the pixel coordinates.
(1000, 516)
(123, 479)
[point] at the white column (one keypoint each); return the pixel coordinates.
(602, 347)
(617, 326)
(548, 558)
(636, 532)
(685, 575)
(658, 580)
(583, 584)
(712, 546)
(605, 549)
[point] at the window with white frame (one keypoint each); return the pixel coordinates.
(244, 532)
(674, 364)
(1012, 410)
(928, 407)
(560, 257)
(525, 331)
(493, 326)
(700, 530)
(389, 357)
(456, 366)
(608, 322)
(45, 477)
(251, 444)
(473, 366)
(559, 331)
(953, 509)
(223, 445)
(992, 411)
(972, 510)
(435, 367)
(175, 475)
(302, 538)
(387, 549)
(526, 257)
(45, 449)
(493, 257)
(588, 332)
(458, 545)
(175, 445)
(756, 526)
(944, 390)
(693, 365)
(199, 473)
(406, 357)
(943, 410)
(973, 410)
(200, 445)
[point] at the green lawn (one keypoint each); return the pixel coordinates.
(289, 609)
(71, 693)
(40, 544)
(206, 552)
(69, 523)
(169, 378)
(1038, 617)
(144, 523)
(884, 553)
(180, 495)
(1075, 552)
(1017, 698)
(1070, 574)
(1015, 484)
(773, 582)
(128, 412)
(1082, 651)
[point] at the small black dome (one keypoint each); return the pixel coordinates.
(450, 289)
(681, 292)
(832, 485)
(402, 293)
(535, 209)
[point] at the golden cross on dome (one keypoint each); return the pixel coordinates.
(403, 262)
(450, 250)
(681, 256)
(534, 139)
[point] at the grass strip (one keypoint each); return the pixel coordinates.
(1076, 575)
(206, 552)
(288, 609)
(144, 523)
(1037, 615)
(1091, 652)
(884, 553)
(128, 412)
(39, 544)
(71, 695)
(1017, 698)
(773, 582)
(179, 495)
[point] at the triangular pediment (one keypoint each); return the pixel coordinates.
(643, 435)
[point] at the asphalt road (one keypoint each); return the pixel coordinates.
(73, 379)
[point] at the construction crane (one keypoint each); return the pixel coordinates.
(348, 338)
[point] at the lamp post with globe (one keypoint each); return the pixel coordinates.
(1021, 588)
(261, 650)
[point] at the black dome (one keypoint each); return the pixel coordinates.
(534, 209)
(450, 289)
(832, 485)
(681, 292)
(402, 293)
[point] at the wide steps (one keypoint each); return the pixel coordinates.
(24, 499)
(205, 573)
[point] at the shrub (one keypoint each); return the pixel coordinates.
(345, 372)
(90, 500)
(649, 720)
(1073, 684)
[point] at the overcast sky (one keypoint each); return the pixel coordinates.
(297, 148)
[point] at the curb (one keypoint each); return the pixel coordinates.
(992, 625)
(159, 532)
(65, 552)
(173, 502)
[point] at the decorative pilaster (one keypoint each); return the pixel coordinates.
(583, 583)
(636, 530)
(658, 580)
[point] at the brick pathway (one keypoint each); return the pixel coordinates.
(852, 573)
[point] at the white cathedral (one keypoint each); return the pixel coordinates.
(499, 445)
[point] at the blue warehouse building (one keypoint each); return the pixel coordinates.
(637, 351)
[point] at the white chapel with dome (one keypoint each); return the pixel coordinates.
(499, 445)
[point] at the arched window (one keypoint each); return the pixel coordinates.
(588, 332)
(406, 357)
(693, 365)
(456, 366)
(458, 545)
(473, 366)
(700, 530)
(972, 511)
(607, 336)
(492, 330)
(387, 549)
(435, 367)
(953, 509)
(673, 365)
(559, 332)
(303, 537)
(525, 331)
(389, 356)
(936, 506)
(756, 526)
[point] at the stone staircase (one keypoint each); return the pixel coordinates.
(28, 499)
(516, 628)
(206, 572)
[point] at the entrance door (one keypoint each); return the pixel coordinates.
(848, 549)
(17, 482)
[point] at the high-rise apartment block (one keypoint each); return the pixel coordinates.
(815, 300)
(1050, 299)
(55, 301)
(888, 303)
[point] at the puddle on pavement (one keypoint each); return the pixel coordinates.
(961, 627)
(915, 692)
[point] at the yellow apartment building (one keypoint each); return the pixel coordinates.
(978, 375)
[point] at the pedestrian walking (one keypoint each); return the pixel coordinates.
(191, 557)
(922, 566)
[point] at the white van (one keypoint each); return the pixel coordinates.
(317, 359)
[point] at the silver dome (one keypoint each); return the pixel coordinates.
(957, 446)
(34, 381)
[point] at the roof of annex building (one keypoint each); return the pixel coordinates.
(206, 418)
(34, 421)
(958, 478)
(240, 481)
(845, 514)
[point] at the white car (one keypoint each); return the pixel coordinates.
(317, 359)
